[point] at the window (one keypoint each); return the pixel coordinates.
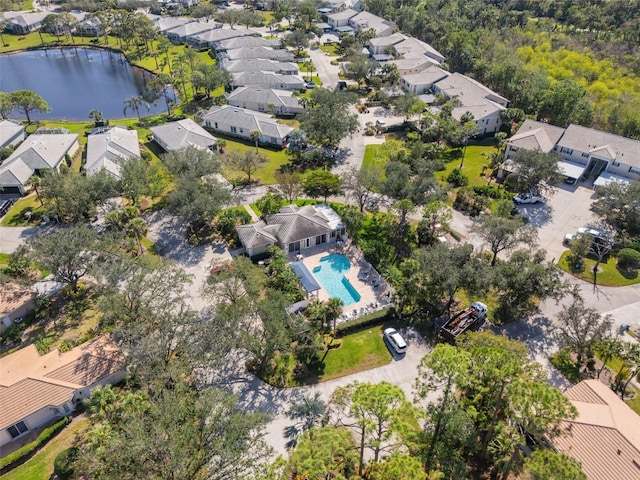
(585, 155)
(66, 408)
(17, 429)
(216, 125)
(241, 131)
(634, 170)
(615, 164)
(56, 410)
(307, 242)
(208, 123)
(234, 130)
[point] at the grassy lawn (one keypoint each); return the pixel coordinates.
(331, 50)
(634, 403)
(359, 351)
(40, 466)
(608, 276)
(266, 173)
(373, 157)
(14, 217)
(472, 165)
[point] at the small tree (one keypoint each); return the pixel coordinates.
(289, 185)
(28, 102)
(504, 234)
(248, 162)
(580, 328)
(255, 137)
(321, 183)
(135, 103)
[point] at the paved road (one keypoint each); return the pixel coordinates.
(255, 394)
(12, 237)
(328, 73)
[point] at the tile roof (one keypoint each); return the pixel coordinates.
(182, 134)
(605, 437)
(533, 135)
(47, 150)
(107, 150)
(28, 396)
(602, 144)
(13, 296)
(29, 381)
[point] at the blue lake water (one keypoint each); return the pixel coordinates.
(331, 273)
(75, 81)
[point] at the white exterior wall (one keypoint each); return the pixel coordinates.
(624, 170)
(489, 124)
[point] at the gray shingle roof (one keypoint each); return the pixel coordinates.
(247, 120)
(259, 52)
(107, 150)
(8, 130)
(539, 136)
(343, 15)
(182, 134)
(601, 144)
(258, 65)
(292, 224)
(243, 42)
(44, 150)
(15, 173)
(264, 96)
(430, 75)
(267, 80)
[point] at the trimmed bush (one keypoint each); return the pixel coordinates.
(64, 464)
(25, 453)
(628, 258)
(457, 178)
(365, 321)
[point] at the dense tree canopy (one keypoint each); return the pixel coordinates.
(327, 118)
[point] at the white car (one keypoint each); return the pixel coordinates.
(395, 340)
(528, 198)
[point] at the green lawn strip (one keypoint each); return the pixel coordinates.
(330, 50)
(471, 167)
(608, 276)
(373, 157)
(360, 351)
(266, 173)
(634, 403)
(40, 467)
(14, 217)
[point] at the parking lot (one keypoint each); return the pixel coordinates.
(564, 212)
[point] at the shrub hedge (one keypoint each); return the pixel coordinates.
(25, 453)
(365, 321)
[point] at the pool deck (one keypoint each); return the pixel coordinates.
(371, 298)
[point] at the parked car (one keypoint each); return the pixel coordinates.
(311, 84)
(596, 235)
(395, 340)
(5, 205)
(528, 198)
(381, 123)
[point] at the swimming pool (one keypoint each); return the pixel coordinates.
(330, 273)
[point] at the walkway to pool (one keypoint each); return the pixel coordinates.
(374, 291)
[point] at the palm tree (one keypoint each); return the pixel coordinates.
(334, 310)
(607, 349)
(135, 103)
(137, 228)
(255, 137)
(96, 116)
(35, 181)
(308, 413)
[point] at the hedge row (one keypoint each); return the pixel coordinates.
(366, 321)
(25, 453)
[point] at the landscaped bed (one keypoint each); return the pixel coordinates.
(608, 273)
